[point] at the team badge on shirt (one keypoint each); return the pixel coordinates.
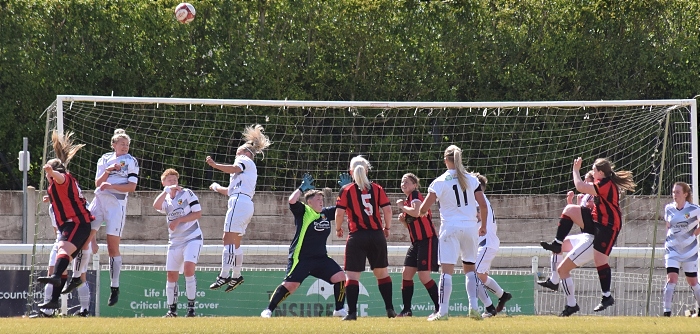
(179, 201)
(687, 215)
(122, 163)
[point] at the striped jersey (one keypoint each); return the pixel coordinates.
(363, 207)
(681, 243)
(243, 182)
(129, 172)
(184, 203)
(68, 202)
(419, 228)
(312, 231)
(490, 240)
(607, 204)
(456, 204)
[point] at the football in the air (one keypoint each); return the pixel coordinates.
(184, 12)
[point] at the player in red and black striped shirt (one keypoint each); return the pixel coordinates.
(606, 218)
(70, 207)
(363, 200)
(422, 256)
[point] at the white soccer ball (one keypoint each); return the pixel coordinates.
(184, 12)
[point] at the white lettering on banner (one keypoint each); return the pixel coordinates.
(459, 307)
(20, 294)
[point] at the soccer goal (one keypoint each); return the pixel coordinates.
(526, 149)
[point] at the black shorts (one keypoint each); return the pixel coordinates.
(323, 268)
(588, 223)
(605, 238)
(77, 234)
(366, 244)
(423, 255)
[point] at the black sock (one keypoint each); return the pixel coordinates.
(565, 224)
(62, 262)
(605, 277)
(281, 293)
(173, 307)
(406, 294)
(385, 289)
(56, 292)
(352, 293)
(339, 293)
(190, 304)
(433, 293)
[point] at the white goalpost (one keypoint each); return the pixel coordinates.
(526, 150)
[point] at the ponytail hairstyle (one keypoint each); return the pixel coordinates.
(255, 140)
(588, 177)
(686, 190)
(454, 154)
(119, 134)
(360, 166)
(64, 149)
(482, 179)
(622, 179)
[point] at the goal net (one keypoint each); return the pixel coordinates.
(526, 149)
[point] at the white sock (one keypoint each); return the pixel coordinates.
(481, 292)
(226, 261)
(191, 287)
(556, 261)
(115, 268)
(237, 262)
(696, 292)
(48, 291)
(445, 289)
(569, 290)
(668, 296)
(86, 255)
(170, 292)
(493, 286)
(472, 290)
(84, 296)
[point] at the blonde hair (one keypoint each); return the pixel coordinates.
(168, 172)
(454, 154)
(64, 149)
(622, 179)
(119, 134)
(360, 166)
(686, 190)
(256, 141)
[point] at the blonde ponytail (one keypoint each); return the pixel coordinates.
(360, 167)
(454, 154)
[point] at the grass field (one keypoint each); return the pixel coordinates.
(520, 324)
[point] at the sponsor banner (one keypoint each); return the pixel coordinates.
(13, 293)
(142, 294)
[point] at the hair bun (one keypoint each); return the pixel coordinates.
(119, 131)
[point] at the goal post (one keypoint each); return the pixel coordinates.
(526, 149)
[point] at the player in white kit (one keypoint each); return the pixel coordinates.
(459, 194)
(240, 192)
(488, 248)
(681, 244)
(579, 249)
(182, 208)
(117, 176)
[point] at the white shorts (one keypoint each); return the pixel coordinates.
(484, 257)
(458, 240)
(239, 214)
(177, 256)
(108, 209)
(686, 267)
(582, 248)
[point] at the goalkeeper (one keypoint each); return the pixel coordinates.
(307, 253)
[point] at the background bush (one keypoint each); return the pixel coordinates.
(471, 50)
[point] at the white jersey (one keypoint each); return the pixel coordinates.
(490, 240)
(456, 204)
(243, 182)
(129, 172)
(52, 215)
(681, 245)
(184, 203)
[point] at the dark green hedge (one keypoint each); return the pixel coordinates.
(474, 50)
